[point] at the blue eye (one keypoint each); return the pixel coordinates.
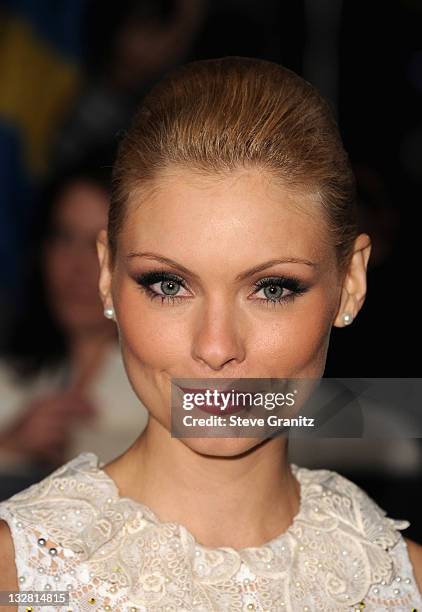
(169, 286)
(274, 289)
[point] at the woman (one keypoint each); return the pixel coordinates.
(231, 251)
(61, 372)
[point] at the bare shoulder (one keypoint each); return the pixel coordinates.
(8, 572)
(415, 556)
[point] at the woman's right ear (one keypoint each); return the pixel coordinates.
(104, 283)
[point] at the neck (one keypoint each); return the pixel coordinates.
(239, 501)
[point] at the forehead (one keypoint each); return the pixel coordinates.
(236, 210)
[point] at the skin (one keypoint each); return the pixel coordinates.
(221, 329)
(218, 332)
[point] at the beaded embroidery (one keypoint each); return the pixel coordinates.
(73, 531)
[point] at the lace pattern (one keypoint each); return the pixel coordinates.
(73, 531)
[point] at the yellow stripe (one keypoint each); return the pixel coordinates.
(36, 89)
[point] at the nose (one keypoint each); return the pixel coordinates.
(218, 338)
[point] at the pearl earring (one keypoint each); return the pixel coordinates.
(347, 318)
(109, 312)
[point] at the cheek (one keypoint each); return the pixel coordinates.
(292, 340)
(152, 342)
(296, 341)
(148, 332)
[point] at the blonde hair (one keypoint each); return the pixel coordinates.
(217, 115)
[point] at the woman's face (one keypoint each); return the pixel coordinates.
(212, 317)
(70, 260)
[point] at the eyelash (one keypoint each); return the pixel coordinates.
(291, 283)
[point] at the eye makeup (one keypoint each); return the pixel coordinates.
(146, 280)
(294, 286)
(169, 285)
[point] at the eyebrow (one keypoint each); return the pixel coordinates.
(239, 277)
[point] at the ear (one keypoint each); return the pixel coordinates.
(354, 284)
(104, 283)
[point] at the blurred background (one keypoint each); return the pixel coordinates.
(71, 74)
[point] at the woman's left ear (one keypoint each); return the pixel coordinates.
(354, 284)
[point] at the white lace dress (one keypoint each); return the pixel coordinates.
(73, 532)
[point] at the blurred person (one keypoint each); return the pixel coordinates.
(232, 249)
(128, 48)
(62, 382)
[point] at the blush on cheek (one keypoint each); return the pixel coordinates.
(143, 380)
(297, 347)
(153, 343)
(151, 352)
(311, 346)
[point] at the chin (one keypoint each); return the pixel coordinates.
(222, 447)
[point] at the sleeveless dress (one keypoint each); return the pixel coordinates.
(73, 532)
